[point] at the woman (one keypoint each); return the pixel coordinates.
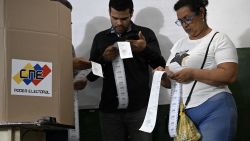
(212, 107)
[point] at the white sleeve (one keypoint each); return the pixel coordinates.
(225, 51)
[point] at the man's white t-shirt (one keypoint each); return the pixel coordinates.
(188, 53)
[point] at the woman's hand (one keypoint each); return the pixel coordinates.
(160, 68)
(183, 76)
(165, 82)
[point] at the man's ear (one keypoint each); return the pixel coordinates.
(109, 11)
(131, 14)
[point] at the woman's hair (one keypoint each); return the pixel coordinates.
(121, 5)
(194, 5)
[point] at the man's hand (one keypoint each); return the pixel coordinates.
(110, 53)
(81, 63)
(138, 45)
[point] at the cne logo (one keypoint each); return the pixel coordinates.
(32, 74)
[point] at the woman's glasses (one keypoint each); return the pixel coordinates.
(185, 20)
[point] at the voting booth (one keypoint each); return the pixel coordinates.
(35, 62)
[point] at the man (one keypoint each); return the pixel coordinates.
(119, 122)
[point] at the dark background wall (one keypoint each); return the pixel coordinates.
(241, 93)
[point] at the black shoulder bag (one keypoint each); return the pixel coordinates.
(205, 58)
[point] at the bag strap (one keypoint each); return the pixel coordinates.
(205, 58)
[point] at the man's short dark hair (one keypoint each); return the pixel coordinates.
(121, 5)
